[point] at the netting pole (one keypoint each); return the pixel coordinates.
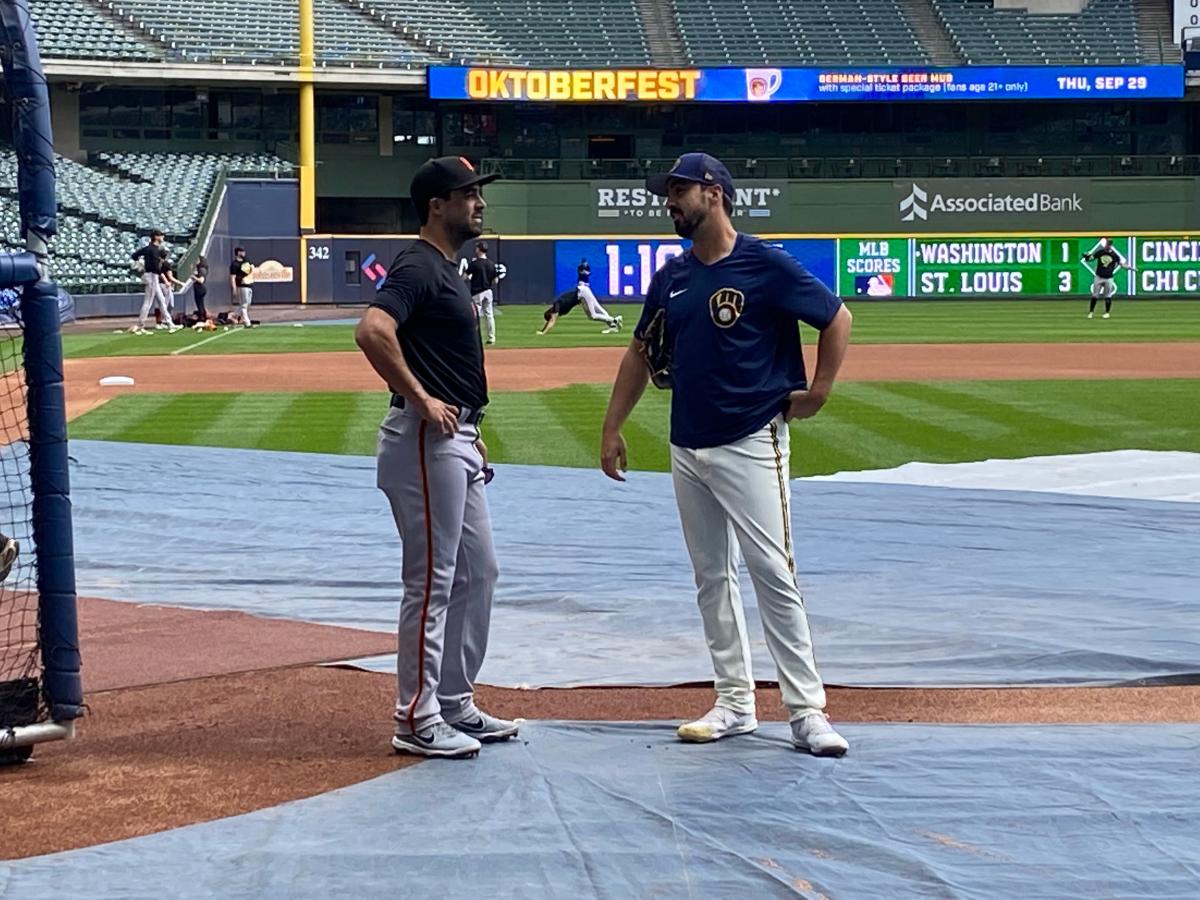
(46, 400)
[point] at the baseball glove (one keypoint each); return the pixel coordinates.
(656, 351)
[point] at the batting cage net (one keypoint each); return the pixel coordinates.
(40, 693)
(20, 656)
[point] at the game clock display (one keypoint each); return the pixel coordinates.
(621, 269)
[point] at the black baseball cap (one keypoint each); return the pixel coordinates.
(697, 167)
(440, 176)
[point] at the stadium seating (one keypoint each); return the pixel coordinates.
(576, 32)
(75, 29)
(797, 32)
(415, 33)
(266, 31)
(1105, 32)
(104, 214)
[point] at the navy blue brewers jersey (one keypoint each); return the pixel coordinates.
(735, 347)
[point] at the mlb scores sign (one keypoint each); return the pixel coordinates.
(988, 204)
(617, 200)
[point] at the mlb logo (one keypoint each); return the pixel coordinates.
(881, 285)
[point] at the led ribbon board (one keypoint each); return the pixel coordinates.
(766, 85)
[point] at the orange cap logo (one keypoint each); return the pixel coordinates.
(466, 162)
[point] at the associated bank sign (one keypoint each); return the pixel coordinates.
(631, 200)
(978, 203)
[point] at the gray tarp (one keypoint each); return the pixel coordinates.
(905, 584)
(607, 810)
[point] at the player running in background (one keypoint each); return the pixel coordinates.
(591, 305)
(567, 301)
(1108, 260)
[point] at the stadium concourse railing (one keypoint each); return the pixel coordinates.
(858, 167)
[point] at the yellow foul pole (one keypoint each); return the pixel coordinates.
(308, 125)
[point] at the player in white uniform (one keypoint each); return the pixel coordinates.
(591, 305)
(728, 308)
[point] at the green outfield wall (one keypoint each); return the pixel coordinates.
(863, 207)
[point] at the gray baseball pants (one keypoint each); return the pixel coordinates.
(434, 483)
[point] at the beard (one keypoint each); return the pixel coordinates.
(461, 232)
(687, 223)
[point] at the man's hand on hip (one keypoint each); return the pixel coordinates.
(804, 404)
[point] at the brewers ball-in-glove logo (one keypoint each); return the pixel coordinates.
(726, 306)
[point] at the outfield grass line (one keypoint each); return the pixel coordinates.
(885, 417)
(1038, 409)
(247, 417)
(524, 421)
(201, 343)
(926, 406)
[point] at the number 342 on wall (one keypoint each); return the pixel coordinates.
(318, 252)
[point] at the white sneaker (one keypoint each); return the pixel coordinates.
(174, 328)
(439, 740)
(161, 326)
(1091, 315)
(137, 329)
(814, 734)
(620, 322)
(715, 724)
(1105, 316)
(491, 340)
(488, 729)
(611, 329)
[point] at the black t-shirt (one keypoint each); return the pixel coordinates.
(241, 270)
(149, 255)
(1107, 261)
(585, 273)
(482, 273)
(436, 325)
(566, 301)
(200, 287)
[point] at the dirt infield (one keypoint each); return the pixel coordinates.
(524, 370)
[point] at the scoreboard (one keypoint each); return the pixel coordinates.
(1011, 266)
(916, 267)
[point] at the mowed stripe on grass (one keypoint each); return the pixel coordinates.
(901, 322)
(865, 425)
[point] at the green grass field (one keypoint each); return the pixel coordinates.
(865, 425)
(874, 323)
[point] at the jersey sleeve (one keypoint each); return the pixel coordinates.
(652, 304)
(401, 291)
(799, 294)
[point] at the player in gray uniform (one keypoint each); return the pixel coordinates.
(1108, 260)
(421, 336)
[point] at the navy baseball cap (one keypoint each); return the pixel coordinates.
(697, 167)
(440, 176)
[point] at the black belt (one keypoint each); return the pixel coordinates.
(466, 416)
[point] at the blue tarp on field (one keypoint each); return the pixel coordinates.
(623, 810)
(905, 584)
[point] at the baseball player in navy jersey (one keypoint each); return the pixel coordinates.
(730, 307)
(421, 336)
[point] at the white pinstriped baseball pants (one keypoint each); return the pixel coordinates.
(731, 497)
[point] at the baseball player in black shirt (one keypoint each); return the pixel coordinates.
(483, 274)
(422, 337)
(151, 257)
(1108, 260)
